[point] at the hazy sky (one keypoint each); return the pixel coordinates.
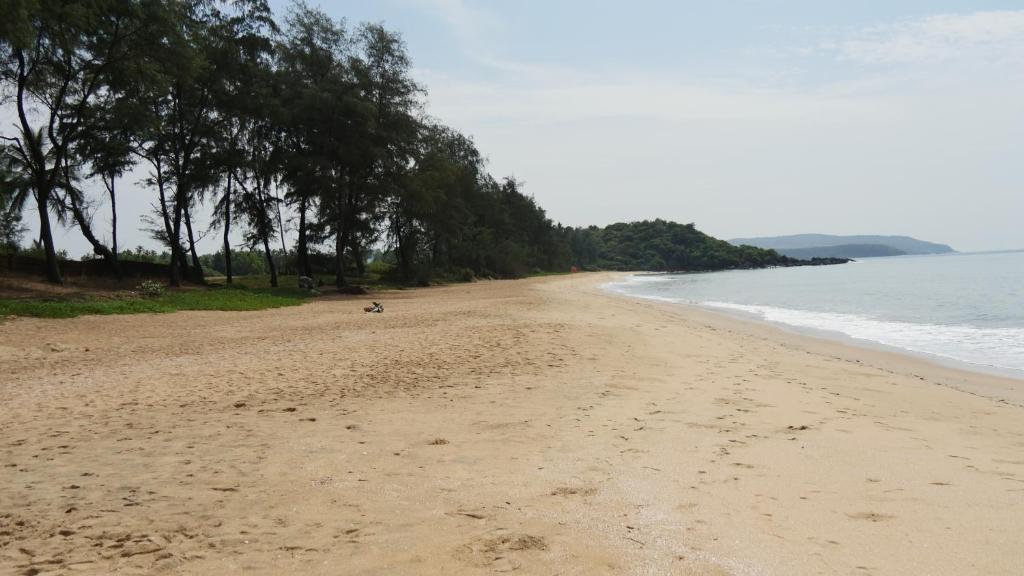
(746, 117)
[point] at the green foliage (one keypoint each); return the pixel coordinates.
(11, 228)
(380, 267)
(243, 262)
(140, 254)
(228, 299)
(36, 251)
(451, 215)
(659, 245)
(150, 289)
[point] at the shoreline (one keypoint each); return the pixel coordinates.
(997, 383)
(535, 426)
(841, 338)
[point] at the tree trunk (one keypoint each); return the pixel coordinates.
(348, 225)
(180, 206)
(397, 231)
(284, 246)
(178, 269)
(401, 251)
(303, 249)
(227, 231)
(197, 267)
(270, 261)
(357, 255)
(340, 235)
(46, 235)
(339, 258)
(265, 223)
(169, 231)
(113, 223)
(97, 246)
(435, 252)
(43, 181)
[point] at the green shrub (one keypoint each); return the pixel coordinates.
(379, 267)
(150, 289)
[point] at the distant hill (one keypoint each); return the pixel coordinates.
(658, 245)
(842, 251)
(830, 246)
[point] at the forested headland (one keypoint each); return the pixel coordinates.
(265, 124)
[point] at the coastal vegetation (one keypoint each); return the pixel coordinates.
(303, 133)
(659, 245)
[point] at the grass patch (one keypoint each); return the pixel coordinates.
(214, 298)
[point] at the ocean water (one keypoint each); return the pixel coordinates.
(967, 308)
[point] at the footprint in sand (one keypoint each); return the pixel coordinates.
(871, 516)
(501, 551)
(475, 515)
(574, 491)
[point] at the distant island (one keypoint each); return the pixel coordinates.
(832, 246)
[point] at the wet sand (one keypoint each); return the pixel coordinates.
(538, 427)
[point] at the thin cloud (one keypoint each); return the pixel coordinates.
(994, 36)
(469, 24)
(625, 97)
(479, 32)
(527, 92)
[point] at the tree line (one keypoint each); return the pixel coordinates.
(263, 123)
(260, 122)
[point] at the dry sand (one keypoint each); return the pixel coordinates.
(536, 426)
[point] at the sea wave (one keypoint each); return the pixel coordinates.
(630, 284)
(994, 347)
(649, 278)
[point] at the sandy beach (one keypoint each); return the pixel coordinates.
(538, 426)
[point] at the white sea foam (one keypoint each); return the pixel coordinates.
(964, 307)
(626, 287)
(648, 278)
(996, 347)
